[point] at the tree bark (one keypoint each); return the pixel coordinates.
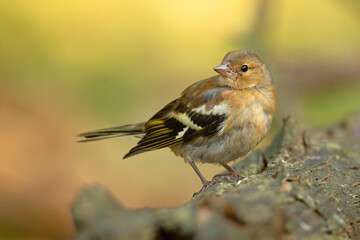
(306, 185)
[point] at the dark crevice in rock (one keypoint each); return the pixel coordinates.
(173, 234)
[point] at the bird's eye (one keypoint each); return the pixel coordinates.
(244, 68)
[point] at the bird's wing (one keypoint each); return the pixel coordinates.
(178, 122)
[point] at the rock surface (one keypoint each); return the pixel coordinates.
(306, 185)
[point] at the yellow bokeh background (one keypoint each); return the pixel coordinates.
(72, 66)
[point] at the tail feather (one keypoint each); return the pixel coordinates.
(136, 130)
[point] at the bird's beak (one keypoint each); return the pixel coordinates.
(224, 70)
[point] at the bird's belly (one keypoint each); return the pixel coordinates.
(222, 149)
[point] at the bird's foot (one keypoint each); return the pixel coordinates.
(220, 178)
(228, 177)
(207, 184)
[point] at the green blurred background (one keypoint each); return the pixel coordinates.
(72, 66)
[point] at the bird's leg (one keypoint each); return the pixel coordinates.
(205, 182)
(232, 171)
(227, 176)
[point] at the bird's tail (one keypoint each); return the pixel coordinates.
(137, 130)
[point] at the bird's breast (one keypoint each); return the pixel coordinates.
(249, 113)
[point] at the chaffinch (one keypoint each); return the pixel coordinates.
(216, 120)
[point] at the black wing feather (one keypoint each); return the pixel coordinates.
(163, 129)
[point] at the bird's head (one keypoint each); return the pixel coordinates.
(242, 69)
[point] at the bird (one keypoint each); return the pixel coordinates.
(216, 120)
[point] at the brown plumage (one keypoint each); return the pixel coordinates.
(216, 120)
